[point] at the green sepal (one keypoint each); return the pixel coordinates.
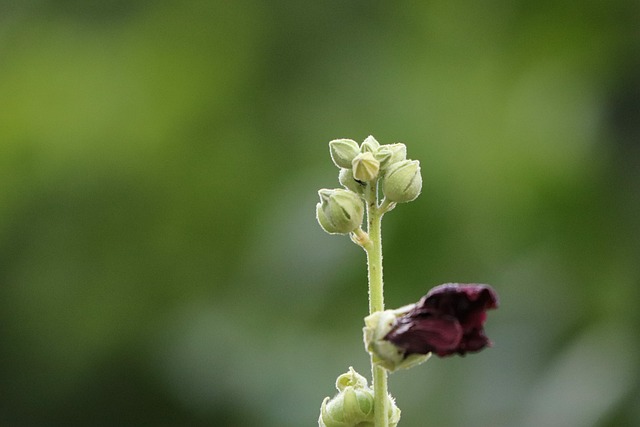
(384, 353)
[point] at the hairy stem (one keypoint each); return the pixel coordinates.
(376, 299)
(374, 260)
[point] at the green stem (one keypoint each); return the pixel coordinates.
(374, 259)
(376, 300)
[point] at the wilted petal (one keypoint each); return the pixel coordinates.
(448, 320)
(427, 334)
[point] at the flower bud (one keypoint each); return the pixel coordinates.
(351, 379)
(351, 407)
(369, 145)
(384, 352)
(390, 154)
(402, 181)
(343, 151)
(354, 404)
(339, 211)
(348, 181)
(365, 167)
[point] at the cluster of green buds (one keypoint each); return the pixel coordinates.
(353, 406)
(362, 168)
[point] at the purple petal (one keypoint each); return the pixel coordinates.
(448, 320)
(441, 335)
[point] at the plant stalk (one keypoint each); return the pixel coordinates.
(376, 301)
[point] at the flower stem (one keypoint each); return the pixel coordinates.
(376, 300)
(374, 259)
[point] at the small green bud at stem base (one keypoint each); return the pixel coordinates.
(354, 405)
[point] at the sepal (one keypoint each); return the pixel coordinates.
(385, 353)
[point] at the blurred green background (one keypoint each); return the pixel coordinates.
(160, 263)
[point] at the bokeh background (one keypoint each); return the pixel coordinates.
(160, 263)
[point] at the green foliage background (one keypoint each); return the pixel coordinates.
(160, 264)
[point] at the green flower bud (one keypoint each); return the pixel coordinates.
(348, 181)
(369, 145)
(390, 154)
(348, 408)
(384, 352)
(343, 151)
(402, 181)
(353, 406)
(365, 167)
(351, 379)
(339, 211)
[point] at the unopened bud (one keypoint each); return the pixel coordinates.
(369, 145)
(365, 167)
(351, 379)
(343, 151)
(353, 406)
(339, 211)
(402, 181)
(348, 181)
(391, 154)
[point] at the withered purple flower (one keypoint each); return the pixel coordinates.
(448, 320)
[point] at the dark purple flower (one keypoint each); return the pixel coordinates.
(448, 320)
